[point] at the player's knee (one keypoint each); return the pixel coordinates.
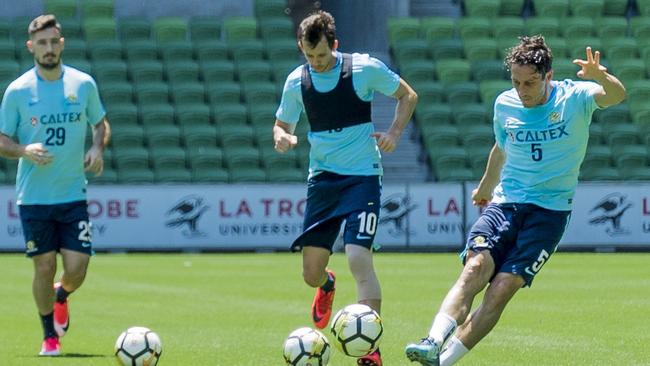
(311, 277)
(45, 268)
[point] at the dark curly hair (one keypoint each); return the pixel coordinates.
(531, 51)
(315, 26)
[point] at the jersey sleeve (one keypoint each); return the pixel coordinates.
(291, 104)
(585, 91)
(500, 134)
(9, 113)
(94, 109)
(380, 77)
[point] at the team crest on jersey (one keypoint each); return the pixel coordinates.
(555, 117)
(34, 121)
(72, 98)
(31, 246)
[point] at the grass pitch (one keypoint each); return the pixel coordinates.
(236, 309)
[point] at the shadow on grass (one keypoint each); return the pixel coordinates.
(70, 355)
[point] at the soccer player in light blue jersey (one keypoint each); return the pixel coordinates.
(47, 110)
(335, 90)
(541, 130)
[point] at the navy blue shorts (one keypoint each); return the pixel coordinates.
(334, 198)
(520, 237)
(51, 227)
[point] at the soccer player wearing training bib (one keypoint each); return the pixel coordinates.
(335, 90)
(47, 110)
(541, 130)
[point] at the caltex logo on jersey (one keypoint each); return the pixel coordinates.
(555, 117)
(34, 121)
(72, 98)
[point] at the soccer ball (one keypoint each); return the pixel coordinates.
(138, 346)
(357, 330)
(306, 347)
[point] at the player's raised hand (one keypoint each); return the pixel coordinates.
(94, 161)
(385, 141)
(591, 68)
(285, 142)
(480, 197)
(38, 154)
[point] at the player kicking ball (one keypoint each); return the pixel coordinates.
(541, 130)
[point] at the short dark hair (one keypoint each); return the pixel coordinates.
(315, 26)
(531, 51)
(42, 22)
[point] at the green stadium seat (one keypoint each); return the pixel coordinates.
(402, 28)
(280, 50)
(469, 114)
(440, 135)
(70, 27)
(428, 91)
(587, 8)
(615, 114)
(253, 71)
(577, 46)
(480, 49)
(103, 50)
(156, 114)
(138, 50)
(489, 70)
(229, 114)
(108, 176)
(116, 92)
(110, 70)
(224, 93)
(280, 71)
(9, 70)
(208, 51)
(635, 173)
(505, 44)
(436, 27)
(167, 29)
(595, 134)
(598, 155)
(154, 92)
(508, 27)
(162, 136)
(99, 28)
(131, 158)
(172, 175)
(600, 173)
(240, 28)
(176, 51)
(122, 114)
(474, 27)
(410, 50)
(559, 47)
(264, 138)
(490, 89)
(482, 8)
(205, 28)
(193, 115)
(146, 71)
(97, 9)
(7, 49)
(188, 93)
(477, 164)
(60, 8)
(433, 114)
(417, 70)
(285, 175)
(247, 50)
(263, 92)
(511, 7)
(620, 49)
(179, 72)
(134, 28)
(627, 156)
(453, 70)
(546, 26)
(611, 27)
(644, 7)
(277, 28)
(448, 48)
(271, 159)
(217, 72)
(127, 136)
(577, 27)
(205, 157)
(74, 49)
(167, 157)
(637, 90)
(552, 8)
(211, 175)
(247, 174)
(564, 68)
(461, 93)
(620, 134)
(640, 27)
(629, 69)
(5, 29)
(80, 64)
(615, 7)
(270, 8)
(477, 135)
(142, 176)
(236, 135)
(237, 157)
(200, 139)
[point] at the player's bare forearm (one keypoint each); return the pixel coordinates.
(492, 170)
(614, 91)
(283, 137)
(9, 148)
(407, 99)
(101, 134)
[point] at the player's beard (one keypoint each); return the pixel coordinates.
(50, 65)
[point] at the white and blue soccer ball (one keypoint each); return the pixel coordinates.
(306, 347)
(357, 330)
(138, 346)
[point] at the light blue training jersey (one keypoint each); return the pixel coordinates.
(56, 114)
(351, 151)
(545, 145)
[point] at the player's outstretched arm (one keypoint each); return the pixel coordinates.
(283, 137)
(94, 159)
(407, 98)
(482, 195)
(613, 91)
(36, 152)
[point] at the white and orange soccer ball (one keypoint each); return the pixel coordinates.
(357, 330)
(138, 346)
(306, 347)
